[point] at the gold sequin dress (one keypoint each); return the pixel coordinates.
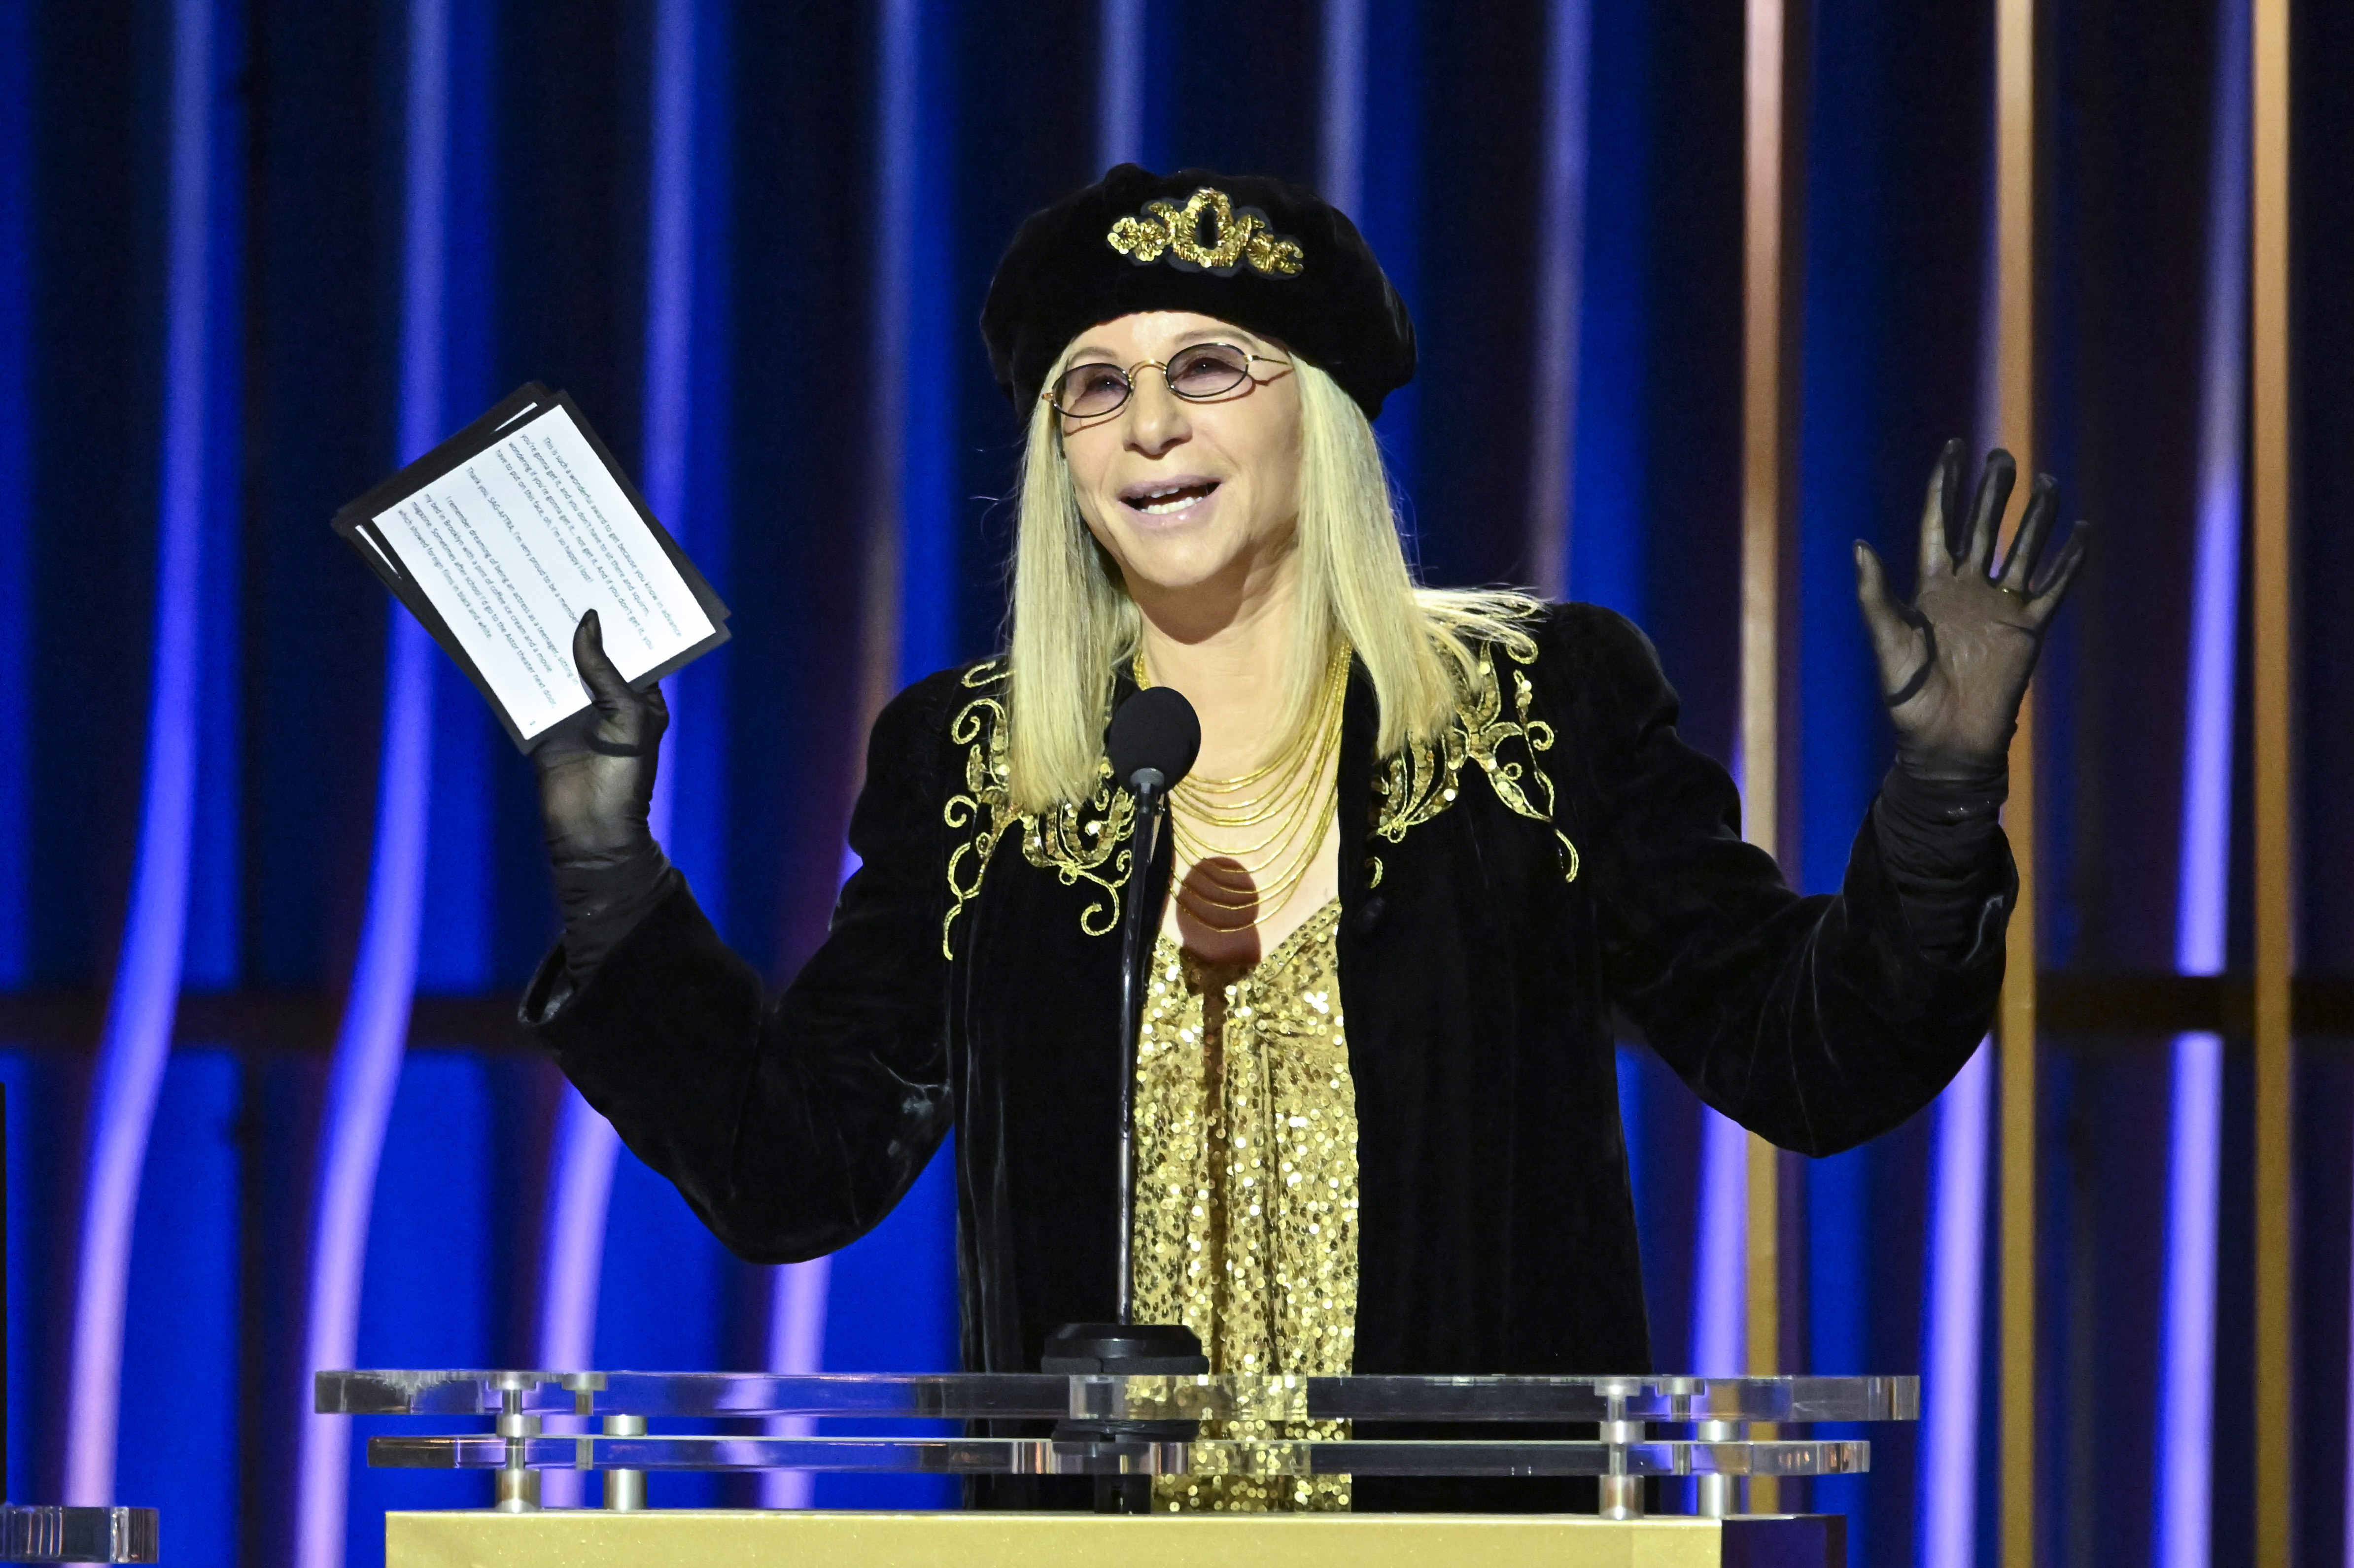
(1246, 1173)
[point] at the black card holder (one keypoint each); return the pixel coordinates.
(355, 523)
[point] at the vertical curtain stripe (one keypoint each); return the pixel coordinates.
(1720, 1327)
(2186, 1385)
(1950, 1390)
(670, 262)
(2348, 1553)
(138, 1036)
(2275, 738)
(367, 1072)
(1955, 1330)
(1718, 1279)
(374, 1034)
(1342, 153)
(1560, 255)
(670, 304)
(895, 112)
(586, 1146)
(1119, 83)
(573, 1255)
(2187, 1344)
(798, 1297)
(795, 1344)
(15, 473)
(2201, 914)
(924, 137)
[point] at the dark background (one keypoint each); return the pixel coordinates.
(791, 474)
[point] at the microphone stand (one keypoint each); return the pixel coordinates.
(1152, 801)
(1125, 1347)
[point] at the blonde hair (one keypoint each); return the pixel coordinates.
(1074, 625)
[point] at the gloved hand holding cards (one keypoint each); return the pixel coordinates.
(503, 536)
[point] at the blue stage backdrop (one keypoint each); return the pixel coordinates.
(269, 876)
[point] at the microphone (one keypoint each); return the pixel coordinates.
(1154, 737)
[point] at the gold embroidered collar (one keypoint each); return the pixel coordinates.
(1087, 841)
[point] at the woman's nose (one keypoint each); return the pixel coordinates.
(1156, 420)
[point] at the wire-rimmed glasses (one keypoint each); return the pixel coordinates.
(1196, 373)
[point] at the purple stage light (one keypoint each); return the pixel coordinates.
(1560, 291)
(360, 1086)
(375, 1030)
(2194, 1156)
(580, 1177)
(137, 1041)
(572, 1258)
(669, 310)
(670, 261)
(2187, 1342)
(1719, 1308)
(573, 1252)
(892, 268)
(1949, 1395)
(1120, 82)
(1721, 1239)
(1947, 1516)
(1341, 134)
(796, 1303)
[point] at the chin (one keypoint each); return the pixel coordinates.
(1180, 553)
(1179, 572)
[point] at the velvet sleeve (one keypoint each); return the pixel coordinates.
(1815, 1021)
(791, 1126)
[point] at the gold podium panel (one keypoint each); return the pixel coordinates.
(728, 1538)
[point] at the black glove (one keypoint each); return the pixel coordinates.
(596, 789)
(1954, 665)
(1955, 662)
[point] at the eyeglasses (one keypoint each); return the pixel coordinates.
(1196, 374)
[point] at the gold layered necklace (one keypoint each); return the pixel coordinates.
(1284, 807)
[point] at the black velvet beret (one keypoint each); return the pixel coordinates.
(1270, 257)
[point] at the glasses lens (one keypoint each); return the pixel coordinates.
(1087, 390)
(1208, 370)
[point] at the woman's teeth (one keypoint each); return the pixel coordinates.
(1172, 498)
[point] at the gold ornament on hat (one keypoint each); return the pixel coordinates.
(1164, 228)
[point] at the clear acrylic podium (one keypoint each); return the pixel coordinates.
(1645, 1426)
(47, 1532)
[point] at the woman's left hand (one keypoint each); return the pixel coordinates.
(1953, 663)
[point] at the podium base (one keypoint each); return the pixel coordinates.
(1127, 1349)
(700, 1538)
(46, 1533)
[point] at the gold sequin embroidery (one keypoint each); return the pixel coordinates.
(1246, 1179)
(1422, 779)
(1164, 228)
(1078, 841)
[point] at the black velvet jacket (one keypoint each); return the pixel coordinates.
(1563, 855)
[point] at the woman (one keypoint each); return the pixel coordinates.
(1432, 842)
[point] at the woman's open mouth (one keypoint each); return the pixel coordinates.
(1165, 500)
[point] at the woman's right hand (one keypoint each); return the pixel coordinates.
(596, 768)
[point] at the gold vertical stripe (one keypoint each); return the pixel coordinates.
(1765, 489)
(2276, 865)
(2014, 201)
(1765, 383)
